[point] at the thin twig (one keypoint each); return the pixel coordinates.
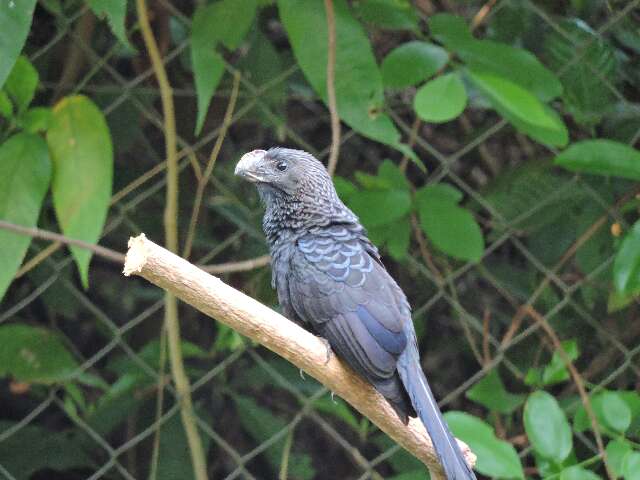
(117, 257)
(204, 179)
(242, 266)
(482, 14)
(56, 237)
(577, 379)
(180, 378)
(331, 88)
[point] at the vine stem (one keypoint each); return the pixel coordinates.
(331, 88)
(180, 378)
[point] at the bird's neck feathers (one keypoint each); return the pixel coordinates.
(287, 217)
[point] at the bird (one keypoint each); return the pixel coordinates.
(330, 279)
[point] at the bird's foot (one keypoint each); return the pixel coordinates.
(333, 399)
(302, 374)
(328, 347)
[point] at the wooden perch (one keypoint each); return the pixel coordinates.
(218, 300)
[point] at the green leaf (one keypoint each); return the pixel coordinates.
(626, 266)
(613, 411)
(208, 65)
(491, 393)
(617, 451)
(392, 174)
(601, 157)
(15, 23)
(21, 83)
(399, 238)
(6, 107)
(36, 119)
(359, 89)
(389, 14)
(33, 354)
(451, 30)
(514, 64)
(48, 449)
(589, 67)
(547, 427)
(411, 63)
(441, 99)
(521, 108)
(262, 63)
(25, 173)
(226, 22)
(496, 458)
(556, 371)
(115, 11)
(578, 473)
(380, 207)
(262, 424)
(176, 462)
(82, 155)
(631, 467)
(451, 228)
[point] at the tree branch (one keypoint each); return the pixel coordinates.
(250, 318)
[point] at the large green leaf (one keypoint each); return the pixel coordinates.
(521, 108)
(631, 466)
(47, 449)
(626, 266)
(450, 227)
(514, 64)
(82, 155)
(25, 173)
(578, 473)
(115, 11)
(547, 427)
(491, 393)
(601, 157)
(380, 207)
(21, 83)
(441, 99)
(451, 30)
(412, 63)
(225, 22)
(496, 458)
(612, 411)
(358, 82)
(588, 67)
(617, 451)
(33, 354)
(15, 22)
(390, 14)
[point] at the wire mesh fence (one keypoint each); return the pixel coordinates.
(118, 415)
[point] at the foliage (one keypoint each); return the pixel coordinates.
(490, 148)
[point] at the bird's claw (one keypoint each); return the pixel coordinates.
(302, 374)
(328, 347)
(333, 397)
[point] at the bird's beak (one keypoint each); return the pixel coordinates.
(248, 166)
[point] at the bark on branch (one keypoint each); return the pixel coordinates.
(249, 317)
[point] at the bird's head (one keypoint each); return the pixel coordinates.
(283, 172)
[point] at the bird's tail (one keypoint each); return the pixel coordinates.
(453, 463)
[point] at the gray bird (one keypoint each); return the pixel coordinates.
(330, 279)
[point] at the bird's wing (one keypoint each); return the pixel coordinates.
(350, 299)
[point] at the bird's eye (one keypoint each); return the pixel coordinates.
(281, 165)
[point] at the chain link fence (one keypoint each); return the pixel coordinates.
(257, 417)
